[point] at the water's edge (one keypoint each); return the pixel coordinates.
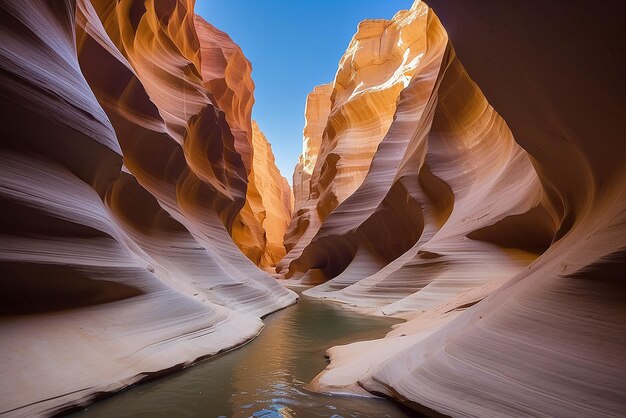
(265, 376)
(78, 407)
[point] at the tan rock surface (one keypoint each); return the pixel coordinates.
(258, 229)
(110, 272)
(268, 202)
(549, 342)
(379, 62)
(512, 288)
(316, 113)
(226, 74)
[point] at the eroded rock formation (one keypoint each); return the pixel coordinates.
(381, 59)
(501, 243)
(316, 114)
(125, 160)
(491, 218)
(259, 227)
(264, 218)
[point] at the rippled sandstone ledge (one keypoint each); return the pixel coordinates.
(502, 243)
(125, 161)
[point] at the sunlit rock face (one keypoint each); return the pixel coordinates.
(123, 168)
(315, 115)
(226, 76)
(445, 166)
(259, 228)
(267, 211)
(511, 277)
(380, 61)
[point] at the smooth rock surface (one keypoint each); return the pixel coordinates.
(380, 61)
(268, 204)
(513, 288)
(120, 180)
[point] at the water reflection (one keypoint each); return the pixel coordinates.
(265, 378)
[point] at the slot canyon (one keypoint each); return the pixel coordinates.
(453, 237)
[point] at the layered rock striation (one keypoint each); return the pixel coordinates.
(316, 113)
(125, 162)
(378, 64)
(137, 195)
(264, 218)
(501, 243)
(259, 227)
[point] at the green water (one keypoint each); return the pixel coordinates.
(263, 378)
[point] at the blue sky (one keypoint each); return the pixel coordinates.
(293, 46)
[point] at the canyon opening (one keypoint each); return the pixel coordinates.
(452, 241)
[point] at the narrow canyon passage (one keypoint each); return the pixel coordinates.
(456, 218)
(266, 377)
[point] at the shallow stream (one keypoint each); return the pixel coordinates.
(263, 378)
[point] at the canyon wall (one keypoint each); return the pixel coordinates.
(259, 227)
(316, 114)
(502, 243)
(125, 162)
(137, 195)
(380, 60)
(264, 217)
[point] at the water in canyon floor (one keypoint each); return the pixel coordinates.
(264, 378)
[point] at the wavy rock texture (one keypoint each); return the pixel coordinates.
(511, 278)
(121, 176)
(380, 61)
(226, 75)
(447, 167)
(260, 226)
(316, 113)
(268, 204)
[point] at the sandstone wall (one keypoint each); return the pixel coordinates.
(511, 281)
(123, 168)
(380, 61)
(268, 201)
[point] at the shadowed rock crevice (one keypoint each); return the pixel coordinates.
(30, 289)
(532, 231)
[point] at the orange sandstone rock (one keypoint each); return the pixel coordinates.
(512, 289)
(120, 179)
(267, 211)
(380, 61)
